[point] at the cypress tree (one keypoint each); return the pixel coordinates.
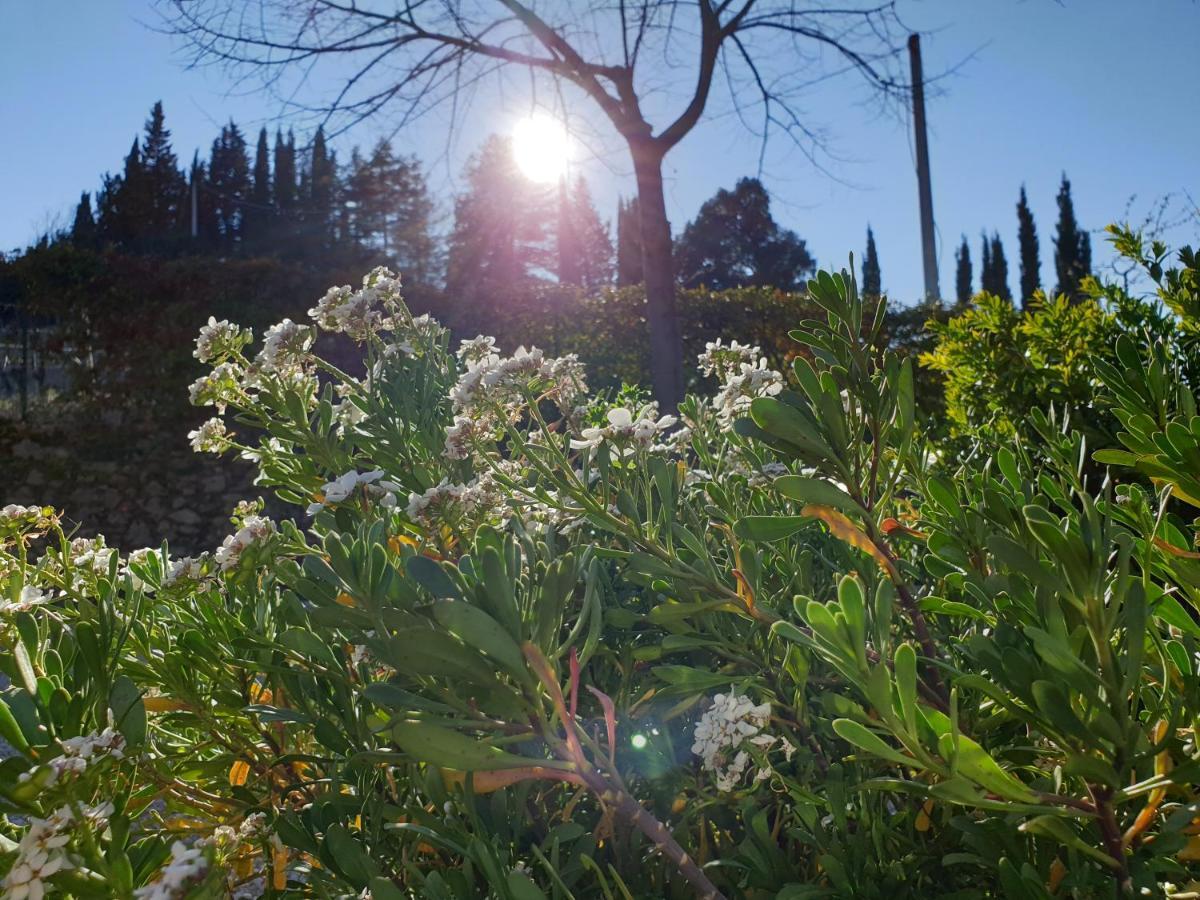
(284, 185)
(985, 263)
(1072, 247)
(322, 189)
(83, 229)
(1027, 239)
(998, 282)
(585, 250)
(872, 279)
(258, 213)
(629, 244)
(566, 240)
(962, 273)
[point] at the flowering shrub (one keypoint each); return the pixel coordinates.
(520, 643)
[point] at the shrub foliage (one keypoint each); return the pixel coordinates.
(527, 644)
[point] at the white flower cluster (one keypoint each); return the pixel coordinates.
(42, 851)
(186, 867)
(184, 569)
(226, 836)
(493, 390)
(83, 751)
(219, 388)
(218, 340)
(730, 723)
(355, 313)
(450, 505)
(211, 437)
(724, 360)
(254, 530)
(625, 430)
(92, 554)
(740, 387)
(338, 490)
(16, 515)
(285, 347)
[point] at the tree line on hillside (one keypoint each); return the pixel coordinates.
(508, 234)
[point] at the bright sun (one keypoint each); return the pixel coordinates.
(541, 147)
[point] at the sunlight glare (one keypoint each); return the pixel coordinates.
(541, 148)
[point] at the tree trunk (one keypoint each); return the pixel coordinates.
(666, 350)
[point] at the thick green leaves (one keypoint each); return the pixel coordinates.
(453, 750)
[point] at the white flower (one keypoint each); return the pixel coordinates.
(338, 490)
(741, 387)
(210, 437)
(731, 722)
(449, 505)
(30, 597)
(217, 339)
(625, 431)
(254, 530)
(722, 360)
(220, 387)
(284, 347)
(476, 349)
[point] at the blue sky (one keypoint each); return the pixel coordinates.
(1096, 88)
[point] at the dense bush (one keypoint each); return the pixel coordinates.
(1001, 364)
(529, 645)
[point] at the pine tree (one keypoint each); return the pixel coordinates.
(629, 243)
(1072, 247)
(83, 229)
(1027, 239)
(997, 283)
(126, 195)
(872, 280)
(962, 273)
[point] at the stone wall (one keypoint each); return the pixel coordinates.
(136, 485)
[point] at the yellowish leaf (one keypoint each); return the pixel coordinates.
(238, 773)
(841, 527)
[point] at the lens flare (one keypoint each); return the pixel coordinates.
(541, 148)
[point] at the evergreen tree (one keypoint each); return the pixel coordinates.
(228, 185)
(735, 242)
(162, 190)
(629, 243)
(1027, 238)
(872, 280)
(585, 251)
(283, 187)
(258, 211)
(963, 276)
(83, 229)
(995, 275)
(1072, 247)
(391, 212)
(985, 262)
(318, 212)
(500, 245)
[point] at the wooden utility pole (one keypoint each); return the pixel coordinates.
(924, 188)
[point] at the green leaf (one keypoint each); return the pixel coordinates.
(431, 576)
(477, 629)
(450, 749)
(905, 668)
(973, 762)
(129, 714)
(803, 489)
(860, 736)
(10, 731)
(769, 528)
(522, 887)
(349, 855)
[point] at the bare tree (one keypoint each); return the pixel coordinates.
(638, 63)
